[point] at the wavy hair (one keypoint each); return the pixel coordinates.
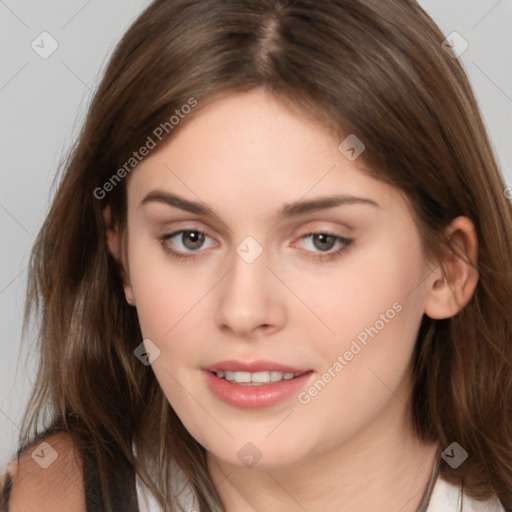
(373, 68)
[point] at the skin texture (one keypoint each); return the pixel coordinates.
(349, 448)
(57, 487)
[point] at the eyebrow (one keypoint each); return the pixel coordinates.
(289, 210)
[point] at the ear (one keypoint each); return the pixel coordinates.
(453, 281)
(115, 247)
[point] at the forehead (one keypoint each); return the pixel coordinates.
(249, 149)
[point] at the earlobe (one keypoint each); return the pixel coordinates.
(114, 243)
(452, 283)
(112, 234)
(128, 293)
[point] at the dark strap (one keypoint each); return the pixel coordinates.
(122, 488)
(5, 492)
(123, 493)
(92, 486)
(122, 484)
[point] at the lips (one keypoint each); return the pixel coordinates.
(246, 395)
(252, 367)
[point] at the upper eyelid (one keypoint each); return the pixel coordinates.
(339, 238)
(307, 233)
(189, 225)
(175, 232)
(168, 232)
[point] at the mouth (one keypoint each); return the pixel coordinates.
(257, 378)
(255, 385)
(254, 373)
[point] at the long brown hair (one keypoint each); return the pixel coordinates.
(372, 68)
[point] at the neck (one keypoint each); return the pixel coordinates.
(383, 468)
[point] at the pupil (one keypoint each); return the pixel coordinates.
(196, 238)
(326, 240)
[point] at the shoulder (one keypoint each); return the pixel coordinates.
(47, 476)
(445, 496)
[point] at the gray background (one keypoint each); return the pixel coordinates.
(43, 102)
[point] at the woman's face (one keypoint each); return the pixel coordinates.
(257, 297)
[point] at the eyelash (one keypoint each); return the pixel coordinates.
(333, 255)
(327, 256)
(176, 254)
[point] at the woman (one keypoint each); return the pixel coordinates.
(275, 275)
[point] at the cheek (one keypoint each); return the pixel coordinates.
(164, 291)
(375, 308)
(351, 295)
(170, 302)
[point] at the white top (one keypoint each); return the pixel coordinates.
(147, 502)
(444, 498)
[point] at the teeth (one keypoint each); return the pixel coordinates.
(275, 376)
(260, 377)
(255, 378)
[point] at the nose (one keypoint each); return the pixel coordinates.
(250, 300)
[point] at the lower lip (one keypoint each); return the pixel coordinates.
(254, 397)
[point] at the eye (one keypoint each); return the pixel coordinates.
(325, 242)
(187, 242)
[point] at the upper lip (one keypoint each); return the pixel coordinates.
(253, 366)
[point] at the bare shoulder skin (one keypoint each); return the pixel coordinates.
(47, 478)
